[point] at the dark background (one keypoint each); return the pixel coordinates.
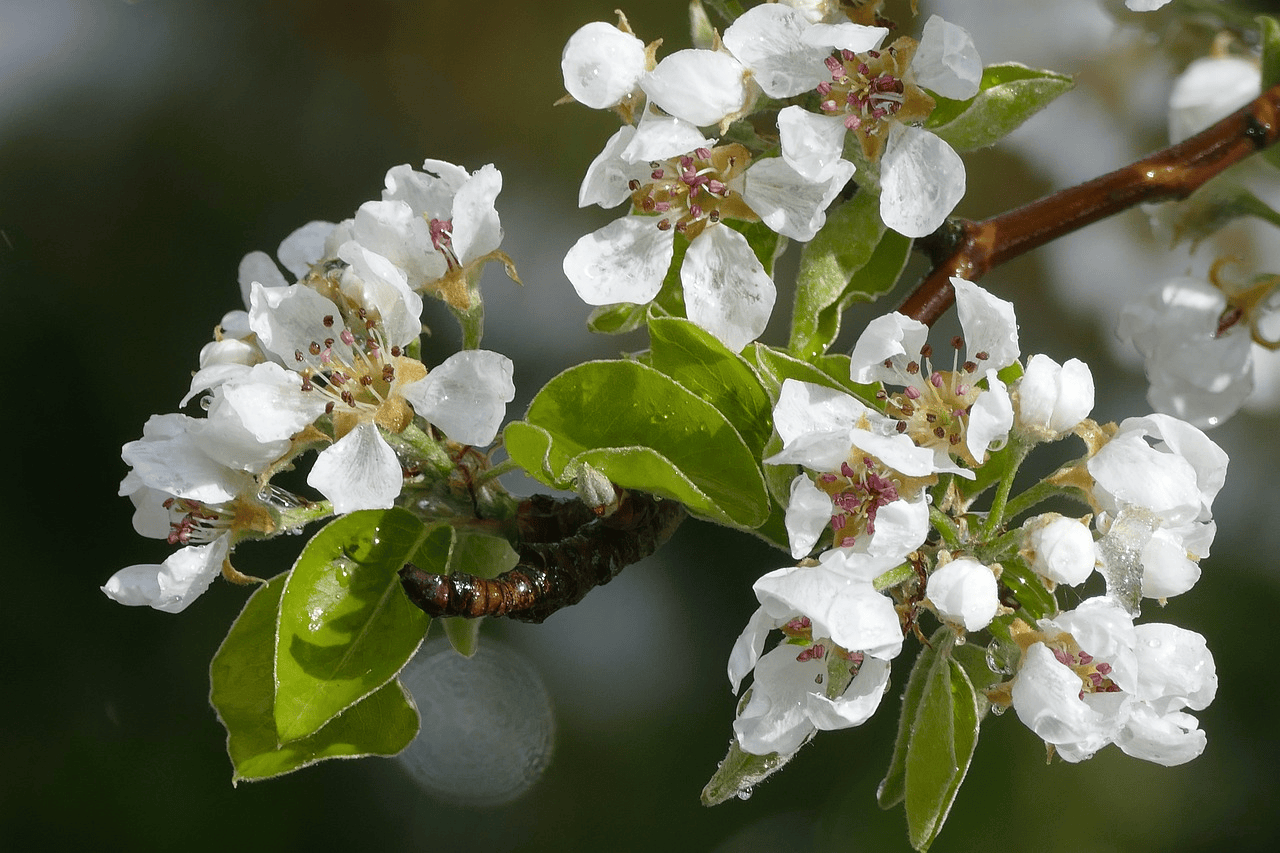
(144, 148)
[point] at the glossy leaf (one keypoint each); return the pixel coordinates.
(944, 734)
(645, 431)
(346, 628)
(1036, 601)
(893, 787)
(774, 366)
(1010, 94)
(616, 319)
(854, 258)
(701, 363)
(242, 692)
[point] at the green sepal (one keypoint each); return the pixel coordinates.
(1269, 34)
(1009, 94)
(1036, 601)
(616, 319)
(345, 625)
(853, 258)
(940, 746)
(242, 692)
(739, 772)
(645, 431)
(698, 361)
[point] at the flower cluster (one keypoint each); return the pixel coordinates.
(882, 496)
(679, 182)
(326, 364)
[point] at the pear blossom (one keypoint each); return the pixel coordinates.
(1155, 482)
(432, 231)
(870, 481)
(830, 615)
(964, 592)
(946, 411)
(1090, 677)
(1050, 399)
(1145, 5)
(1200, 368)
(183, 494)
(363, 379)
(1058, 548)
(875, 93)
(726, 289)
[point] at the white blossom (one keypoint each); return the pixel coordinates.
(964, 592)
(1050, 399)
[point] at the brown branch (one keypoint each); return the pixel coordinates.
(971, 249)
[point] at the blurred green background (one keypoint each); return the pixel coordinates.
(146, 147)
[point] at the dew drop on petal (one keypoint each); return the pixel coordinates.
(487, 724)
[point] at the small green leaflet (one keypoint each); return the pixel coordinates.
(1010, 93)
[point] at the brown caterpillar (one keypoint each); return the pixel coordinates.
(565, 552)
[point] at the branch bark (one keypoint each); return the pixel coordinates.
(972, 249)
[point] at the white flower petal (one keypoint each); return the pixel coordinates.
(946, 62)
(174, 584)
(608, 176)
(625, 261)
(359, 471)
(789, 203)
(812, 143)
(768, 39)
(726, 290)
(258, 266)
(808, 514)
(893, 338)
(660, 137)
(288, 319)
(700, 86)
(749, 645)
(1210, 89)
(602, 65)
(466, 395)
(845, 36)
(990, 419)
(304, 247)
(1053, 399)
(989, 325)
(1062, 549)
(921, 181)
(477, 230)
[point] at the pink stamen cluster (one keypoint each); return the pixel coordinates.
(857, 91)
(198, 522)
(442, 239)
(862, 495)
(1093, 675)
(687, 189)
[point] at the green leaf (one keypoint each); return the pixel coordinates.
(242, 692)
(346, 628)
(944, 734)
(893, 788)
(1036, 601)
(739, 772)
(699, 362)
(645, 431)
(775, 366)
(853, 258)
(1010, 94)
(616, 319)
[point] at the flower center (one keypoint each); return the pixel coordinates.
(1094, 674)
(863, 87)
(192, 522)
(857, 493)
(934, 410)
(442, 239)
(690, 192)
(360, 381)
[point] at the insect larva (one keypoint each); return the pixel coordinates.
(578, 553)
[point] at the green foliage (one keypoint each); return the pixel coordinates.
(643, 430)
(937, 735)
(484, 556)
(243, 695)
(1270, 35)
(345, 627)
(854, 258)
(775, 366)
(616, 319)
(1010, 93)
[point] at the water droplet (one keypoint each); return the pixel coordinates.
(745, 793)
(998, 709)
